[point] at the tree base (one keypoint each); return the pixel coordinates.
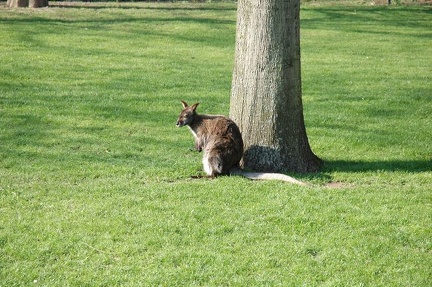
(268, 159)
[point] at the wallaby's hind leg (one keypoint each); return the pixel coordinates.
(202, 176)
(206, 165)
(212, 165)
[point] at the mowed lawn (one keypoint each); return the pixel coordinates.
(95, 186)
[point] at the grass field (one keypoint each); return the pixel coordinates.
(95, 185)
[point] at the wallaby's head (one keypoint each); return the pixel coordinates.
(187, 115)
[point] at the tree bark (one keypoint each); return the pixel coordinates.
(266, 100)
(38, 3)
(27, 3)
(17, 3)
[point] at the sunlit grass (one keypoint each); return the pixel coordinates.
(95, 185)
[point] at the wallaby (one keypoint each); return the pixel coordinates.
(220, 139)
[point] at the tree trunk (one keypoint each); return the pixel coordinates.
(27, 3)
(266, 95)
(38, 3)
(17, 3)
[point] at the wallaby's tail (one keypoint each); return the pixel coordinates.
(266, 176)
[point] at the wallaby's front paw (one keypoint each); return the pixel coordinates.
(198, 147)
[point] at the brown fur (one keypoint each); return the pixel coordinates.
(221, 140)
(218, 136)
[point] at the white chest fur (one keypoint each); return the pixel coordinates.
(193, 132)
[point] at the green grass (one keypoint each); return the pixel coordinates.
(95, 185)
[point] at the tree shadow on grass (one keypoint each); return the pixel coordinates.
(330, 166)
(370, 19)
(152, 5)
(414, 166)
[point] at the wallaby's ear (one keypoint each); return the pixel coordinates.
(184, 104)
(194, 106)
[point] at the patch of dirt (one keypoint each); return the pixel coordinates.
(337, 184)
